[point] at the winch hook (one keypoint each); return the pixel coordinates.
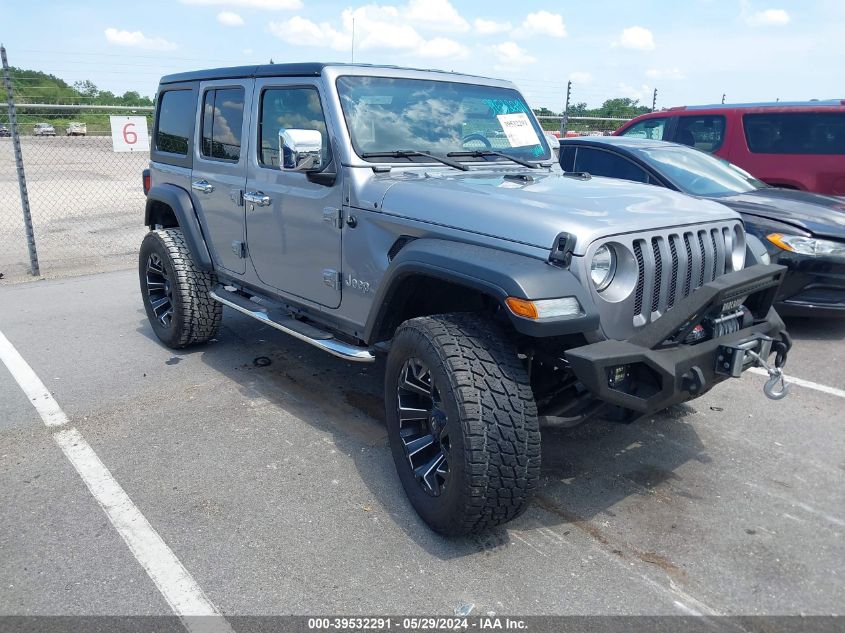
(775, 377)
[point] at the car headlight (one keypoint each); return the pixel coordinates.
(603, 267)
(807, 245)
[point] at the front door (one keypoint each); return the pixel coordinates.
(219, 171)
(294, 230)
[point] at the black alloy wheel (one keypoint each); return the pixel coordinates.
(423, 427)
(159, 290)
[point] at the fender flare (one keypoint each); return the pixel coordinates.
(180, 202)
(499, 274)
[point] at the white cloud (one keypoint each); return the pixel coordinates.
(580, 77)
(376, 28)
(543, 23)
(667, 73)
(636, 38)
(767, 17)
(442, 47)
(268, 5)
(511, 54)
(304, 32)
(491, 27)
(247, 51)
(435, 14)
(230, 18)
(136, 39)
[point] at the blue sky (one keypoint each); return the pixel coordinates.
(692, 51)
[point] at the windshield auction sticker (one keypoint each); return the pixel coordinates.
(518, 129)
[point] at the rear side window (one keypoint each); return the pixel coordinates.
(175, 121)
(795, 132)
(652, 129)
(222, 123)
(598, 162)
(706, 132)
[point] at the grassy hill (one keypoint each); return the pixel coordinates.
(33, 86)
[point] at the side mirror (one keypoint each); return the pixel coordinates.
(300, 150)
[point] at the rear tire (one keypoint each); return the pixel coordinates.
(175, 291)
(480, 412)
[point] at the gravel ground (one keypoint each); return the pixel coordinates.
(87, 206)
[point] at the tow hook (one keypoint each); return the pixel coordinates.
(775, 372)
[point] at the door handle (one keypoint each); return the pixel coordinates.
(258, 198)
(202, 185)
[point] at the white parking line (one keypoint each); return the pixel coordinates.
(803, 383)
(185, 597)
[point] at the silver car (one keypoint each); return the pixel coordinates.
(43, 129)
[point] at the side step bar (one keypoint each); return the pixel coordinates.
(304, 332)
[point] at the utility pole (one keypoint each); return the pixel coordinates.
(654, 101)
(564, 120)
(16, 143)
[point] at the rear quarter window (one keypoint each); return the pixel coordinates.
(795, 132)
(175, 121)
(652, 129)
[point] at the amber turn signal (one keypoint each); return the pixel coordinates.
(522, 307)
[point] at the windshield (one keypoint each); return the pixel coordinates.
(700, 174)
(386, 114)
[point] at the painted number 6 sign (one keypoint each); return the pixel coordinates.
(129, 134)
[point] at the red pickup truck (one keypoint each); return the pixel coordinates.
(790, 145)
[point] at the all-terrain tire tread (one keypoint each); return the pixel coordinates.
(498, 413)
(202, 314)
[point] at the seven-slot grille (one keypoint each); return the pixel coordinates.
(681, 262)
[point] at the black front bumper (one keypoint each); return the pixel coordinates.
(656, 369)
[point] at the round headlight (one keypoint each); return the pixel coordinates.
(603, 267)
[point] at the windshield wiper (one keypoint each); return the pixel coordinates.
(481, 153)
(407, 153)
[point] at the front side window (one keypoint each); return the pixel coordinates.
(222, 123)
(651, 129)
(795, 132)
(697, 173)
(175, 121)
(386, 114)
(597, 162)
(706, 133)
(288, 108)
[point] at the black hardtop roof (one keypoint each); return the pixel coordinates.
(302, 69)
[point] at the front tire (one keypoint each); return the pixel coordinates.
(175, 291)
(462, 422)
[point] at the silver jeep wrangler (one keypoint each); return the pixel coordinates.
(419, 215)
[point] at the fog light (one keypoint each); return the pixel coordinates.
(616, 375)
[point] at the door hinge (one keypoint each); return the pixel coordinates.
(239, 248)
(332, 278)
(333, 216)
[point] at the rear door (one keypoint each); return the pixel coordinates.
(295, 233)
(219, 169)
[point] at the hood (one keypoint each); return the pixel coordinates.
(534, 206)
(817, 214)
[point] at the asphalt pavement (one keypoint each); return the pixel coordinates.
(274, 487)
